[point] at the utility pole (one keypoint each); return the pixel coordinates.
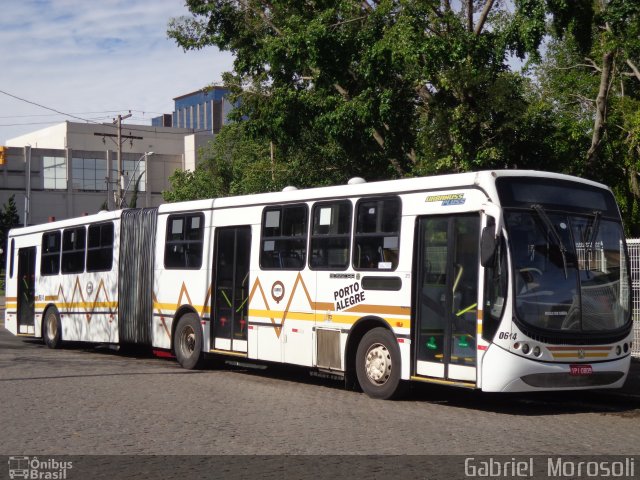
(118, 123)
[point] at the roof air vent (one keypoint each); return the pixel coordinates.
(356, 181)
(290, 188)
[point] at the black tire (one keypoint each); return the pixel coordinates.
(52, 329)
(187, 341)
(378, 364)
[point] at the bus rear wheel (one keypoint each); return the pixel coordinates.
(378, 364)
(51, 329)
(187, 342)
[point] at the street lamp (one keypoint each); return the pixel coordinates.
(135, 169)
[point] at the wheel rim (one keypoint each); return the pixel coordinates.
(52, 327)
(188, 340)
(377, 364)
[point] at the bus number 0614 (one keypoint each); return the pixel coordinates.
(507, 336)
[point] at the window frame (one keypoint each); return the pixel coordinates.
(100, 248)
(44, 253)
(11, 260)
(74, 251)
(304, 238)
(330, 236)
(378, 233)
(186, 217)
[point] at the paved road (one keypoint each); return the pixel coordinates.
(87, 401)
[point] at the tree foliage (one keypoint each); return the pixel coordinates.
(326, 90)
(396, 87)
(592, 85)
(8, 219)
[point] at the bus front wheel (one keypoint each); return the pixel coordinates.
(51, 329)
(187, 341)
(378, 364)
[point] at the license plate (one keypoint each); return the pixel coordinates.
(580, 370)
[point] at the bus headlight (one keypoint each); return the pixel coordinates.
(536, 351)
(525, 348)
(618, 350)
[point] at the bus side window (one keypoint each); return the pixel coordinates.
(284, 238)
(330, 236)
(495, 285)
(13, 251)
(100, 247)
(50, 253)
(73, 249)
(184, 241)
(377, 236)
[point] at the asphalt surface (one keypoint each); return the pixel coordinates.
(131, 415)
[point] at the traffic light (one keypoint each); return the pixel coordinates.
(3, 155)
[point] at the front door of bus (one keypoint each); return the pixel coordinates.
(26, 289)
(231, 291)
(446, 296)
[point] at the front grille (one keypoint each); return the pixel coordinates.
(560, 380)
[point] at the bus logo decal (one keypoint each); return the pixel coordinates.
(277, 291)
(447, 200)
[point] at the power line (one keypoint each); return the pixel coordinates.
(133, 129)
(64, 113)
(50, 122)
(83, 113)
(46, 108)
(53, 114)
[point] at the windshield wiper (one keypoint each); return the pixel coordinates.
(594, 230)
(556, 236)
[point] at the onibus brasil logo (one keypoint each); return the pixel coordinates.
(34, 468)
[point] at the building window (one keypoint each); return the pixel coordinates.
(73, 243)
(100, 247)
(284, 237)
(134, 170)
(183, 247)
(89, 174)
(376, 241)
(54, 171)
(330, 236)
(50, 257)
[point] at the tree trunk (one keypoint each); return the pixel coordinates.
(600, 121)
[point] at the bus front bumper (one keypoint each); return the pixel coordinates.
(503, 371)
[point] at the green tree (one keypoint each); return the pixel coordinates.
(136, 189)
(8, 219)
(388, 88)
(591, 83)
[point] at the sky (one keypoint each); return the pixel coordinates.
(95, 60)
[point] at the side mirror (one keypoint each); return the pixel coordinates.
(488, 245)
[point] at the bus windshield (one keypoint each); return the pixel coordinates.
(569, 269)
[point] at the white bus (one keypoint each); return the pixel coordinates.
(500, 280)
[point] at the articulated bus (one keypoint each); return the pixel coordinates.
(502, 281)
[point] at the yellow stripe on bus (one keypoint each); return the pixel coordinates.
(278, 315)
(172, 307)
(68, 305)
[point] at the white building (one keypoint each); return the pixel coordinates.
(70, 169)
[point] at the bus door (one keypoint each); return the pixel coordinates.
(230, 301)
(445, 322)
(26, 289)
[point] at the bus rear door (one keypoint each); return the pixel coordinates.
(230, 300)
(26, 289)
